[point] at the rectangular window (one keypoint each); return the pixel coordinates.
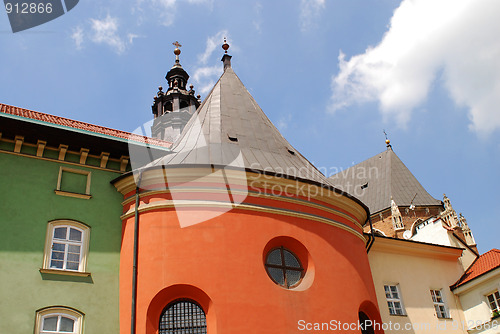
(73, 182)
(394, 301)
(494, 301)
(439, 304)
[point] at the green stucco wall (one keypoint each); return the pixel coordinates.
(27, 204)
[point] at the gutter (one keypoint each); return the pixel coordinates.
(134, 268)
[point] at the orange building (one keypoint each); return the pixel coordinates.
(236, 232)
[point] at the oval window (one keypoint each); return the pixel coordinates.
(283, 267)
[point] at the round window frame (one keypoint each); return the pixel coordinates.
(284, 268)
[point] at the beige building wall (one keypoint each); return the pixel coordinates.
(417, 268)
(432, 231)
(472, 296)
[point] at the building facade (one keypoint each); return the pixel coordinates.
(229, 229)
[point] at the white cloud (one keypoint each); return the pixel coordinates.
(455, 38)
(309, 12)
(284, 121)
(77, 37)
(204, 77)
(105, 31)
(257, 22)
(164, 11)
(212, 43)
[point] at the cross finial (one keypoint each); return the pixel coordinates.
(177, 51)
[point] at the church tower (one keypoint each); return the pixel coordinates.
(235, 231)
(173, 108)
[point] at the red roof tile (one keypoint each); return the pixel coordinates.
(35, 115)
(483, 264)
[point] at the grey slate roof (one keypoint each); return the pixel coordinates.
(230, 129)
(376, 179)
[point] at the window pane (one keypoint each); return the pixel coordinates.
(57, 256)
(73, 257)
(391, 307)
(56, 264)
(75, 235)
(387, 291)
(290, 259)
(72, 265)
(58, 247)
(292, 277)
(50, 323)
(277, 275)
(274, 257)
(66, 325)
(60, 232)
(74, 249)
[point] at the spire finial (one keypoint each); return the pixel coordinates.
(225, 46)
(177, 51)
(226, 59)
(387, 141)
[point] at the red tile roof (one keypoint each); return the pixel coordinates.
(70, 123)
(483, 264)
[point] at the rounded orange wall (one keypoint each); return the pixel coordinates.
(220, 264)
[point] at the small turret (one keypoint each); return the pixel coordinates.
(173, 108)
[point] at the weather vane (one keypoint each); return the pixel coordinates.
(387, 141)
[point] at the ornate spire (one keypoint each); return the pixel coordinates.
(469, 238)
(449, 215)
(397, 219)
(226, 59)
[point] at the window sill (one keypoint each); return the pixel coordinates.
(447, 318)
(64, 272)
(70, 194)
(398, 315)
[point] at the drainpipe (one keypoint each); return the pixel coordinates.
(134, 268)
(370, 243)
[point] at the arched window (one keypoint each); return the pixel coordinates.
(183, 317)
(58, 320)
(66, 246)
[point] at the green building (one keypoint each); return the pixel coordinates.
(60, 227)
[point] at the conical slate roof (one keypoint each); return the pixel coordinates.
(230, 129)
(375, 180)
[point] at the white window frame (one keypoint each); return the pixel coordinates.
(496, 300)
(439, 301)
(60, 311)
(84, 247)
(393, 299)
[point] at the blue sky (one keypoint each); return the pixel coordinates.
(331, 75)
